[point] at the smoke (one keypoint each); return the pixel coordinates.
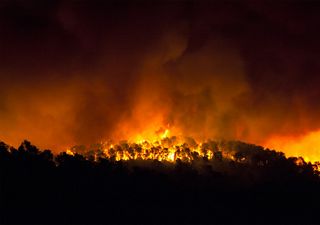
(86, 71)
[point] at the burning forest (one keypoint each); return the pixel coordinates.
(84, 72)
(171, 149)
(234, 182)
(165, 111)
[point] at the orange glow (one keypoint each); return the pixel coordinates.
(157, 146)
(155, 151)
(80, 81)
(307, 146)
(69, 152)
(166, 145)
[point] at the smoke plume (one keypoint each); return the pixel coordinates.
(85, 71)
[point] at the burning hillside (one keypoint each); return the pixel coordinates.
(148, 107)
(160, 146)
(138, 183)
(78, 72)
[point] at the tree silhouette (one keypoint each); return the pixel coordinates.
(39, 187)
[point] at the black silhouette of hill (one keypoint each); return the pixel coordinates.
(38, 187)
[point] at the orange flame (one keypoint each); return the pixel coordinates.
(69, 152)
(307, 146)
(158, 146)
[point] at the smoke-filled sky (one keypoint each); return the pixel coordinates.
(81, 72)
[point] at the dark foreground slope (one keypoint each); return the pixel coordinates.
(37, 187)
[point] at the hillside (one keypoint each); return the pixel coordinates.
(253, 185)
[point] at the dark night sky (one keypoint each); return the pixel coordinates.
(81, 71)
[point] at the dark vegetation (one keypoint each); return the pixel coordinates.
(38, 187)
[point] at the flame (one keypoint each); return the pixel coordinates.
(156, 151)
(165, 134)
(163, 146)
(307, 145)
(157, 146)
(69, 152)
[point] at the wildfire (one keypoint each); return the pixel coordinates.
(159, 146)
(308, 145)
(163, 150)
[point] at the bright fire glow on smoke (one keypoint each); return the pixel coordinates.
(307, 145)
(74, 73)
(157, 146)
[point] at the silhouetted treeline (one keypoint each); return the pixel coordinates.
(257, 186)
